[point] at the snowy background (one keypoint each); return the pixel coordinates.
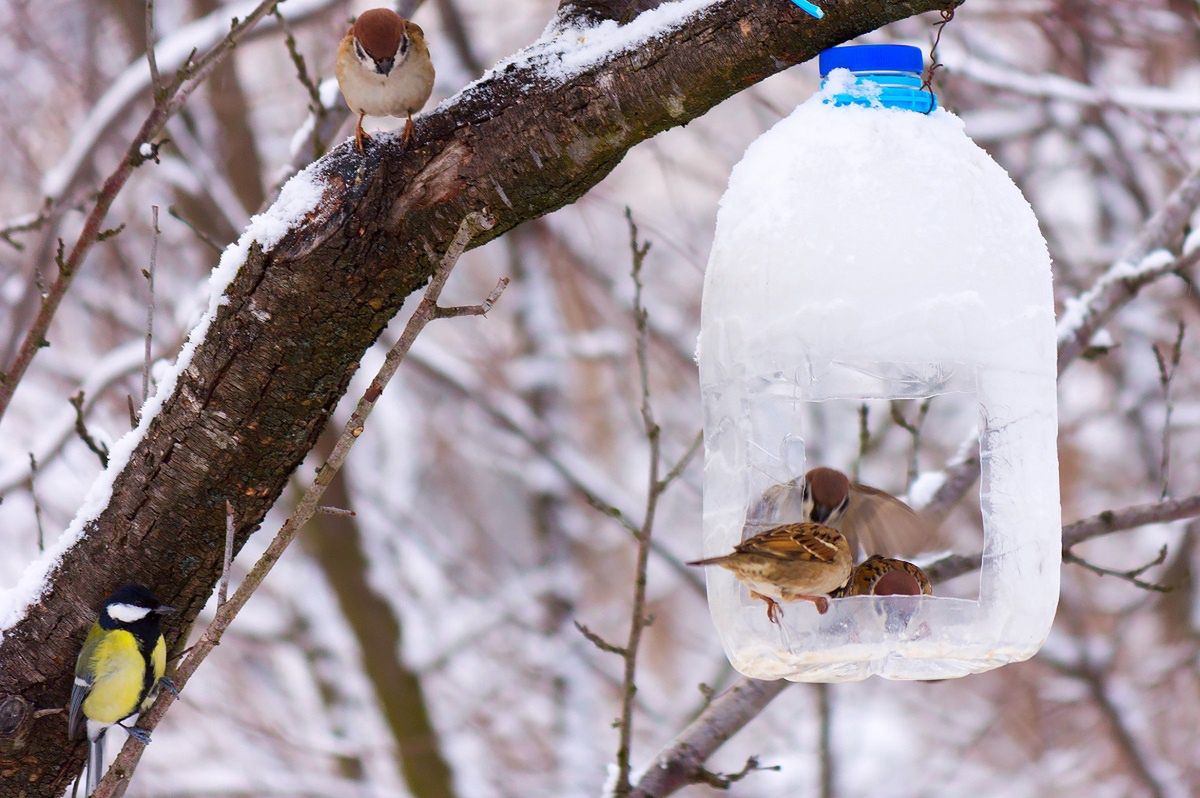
(474, 548)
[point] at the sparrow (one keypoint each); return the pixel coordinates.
(383, 69)
(873, 521)
(792, 562)
(884, 576)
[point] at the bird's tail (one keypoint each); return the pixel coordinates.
(710, 561)
(95, 766)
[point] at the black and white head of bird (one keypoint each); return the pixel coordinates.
(380, 40)
(131, 605)
(826, 495)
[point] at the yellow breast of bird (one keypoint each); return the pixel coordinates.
(158, 662)
(119, 675)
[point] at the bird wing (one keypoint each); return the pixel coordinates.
(84, 679)
(879, 523)
(804, 542)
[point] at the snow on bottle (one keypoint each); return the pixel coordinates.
(865, 251)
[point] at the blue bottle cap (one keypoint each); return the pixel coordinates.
(872, 58)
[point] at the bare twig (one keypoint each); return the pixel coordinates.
(638, 620)
(149, 275)
(682, 762)
(37, 507)
(723, 781)
(1168, 365)
(913, 428)
(200, 234)
(81, 430)
(194, 72)
(1130, 575)
(151, 59)
(336, 511)
(114, 783)
(598, 641)
(315, 106)
(864, 440)
(825, 763)
(227, 561)
(27, 223)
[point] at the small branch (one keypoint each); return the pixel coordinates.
(115, 782)
(227, 561)
(81, 430)
(1129, 576)
(1167, 368)
(315, 106)
(482, 309)
(151, 40)
(598, 641)
(336, 511)
(825, 764)
(913, 428)
(200, 234)
(27, 223)
(682, 762)
(864, 439)
(684, 460)
(638, 620)
(37, 507)
(723, 781)
(149, 275)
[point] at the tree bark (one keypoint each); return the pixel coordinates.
(296, 320)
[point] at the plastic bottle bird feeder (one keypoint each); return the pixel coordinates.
(866, 249)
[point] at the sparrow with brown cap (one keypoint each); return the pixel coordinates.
(873, 521)
(792, 562)
(383, 69)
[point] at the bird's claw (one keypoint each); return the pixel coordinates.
(168, 684)
(141, 735)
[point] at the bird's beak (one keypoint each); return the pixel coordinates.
(165, 610)
(384, 65)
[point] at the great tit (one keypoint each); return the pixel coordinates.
(118, 672)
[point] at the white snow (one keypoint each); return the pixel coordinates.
(1076, 310)
(146, 150)
(561, 53)
(298, 196)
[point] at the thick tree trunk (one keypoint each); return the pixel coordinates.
(281, 351)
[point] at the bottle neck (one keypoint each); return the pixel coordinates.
(885, 90)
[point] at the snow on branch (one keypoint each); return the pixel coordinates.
(1047, 86)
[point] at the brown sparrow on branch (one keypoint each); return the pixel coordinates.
(792, 562)
(871, 519)
(383, 69)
